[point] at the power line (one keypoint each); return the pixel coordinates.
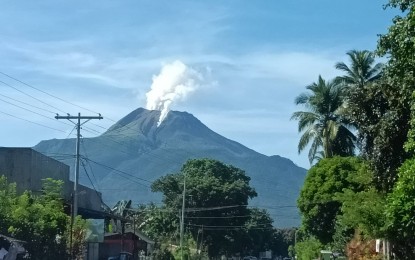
(31, 111)
(89, 178)
(31, 96)
(123, 172)
(32, 122)
(44, 92)
(219, 217)
(27, 104)
(86, 155)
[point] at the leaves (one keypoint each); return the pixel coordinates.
(216, 204)
(319, 202)
(38, 220)
(323, 124)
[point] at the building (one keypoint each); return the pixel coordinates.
(134, 242)
(27, 167)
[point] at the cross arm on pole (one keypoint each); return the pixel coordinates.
(78, 117)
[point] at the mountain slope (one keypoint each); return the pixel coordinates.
(135, 149)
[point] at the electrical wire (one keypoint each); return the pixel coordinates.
(44, 92)
(31, 111)
(27, 104)
(90, 168)
(32, 122)
(123, 172)
(4, 83)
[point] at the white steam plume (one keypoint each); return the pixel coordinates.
(174, 83)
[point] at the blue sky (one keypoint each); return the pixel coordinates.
(255, 57)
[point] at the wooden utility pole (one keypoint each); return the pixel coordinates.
(182, 218)
(78, 124)
(78, 138)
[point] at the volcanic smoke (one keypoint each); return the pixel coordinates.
(174, 83)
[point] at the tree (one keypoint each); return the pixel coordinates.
(283, 241)
(216, 200)
(381, 110)
(7, 200)
(362, 69)
(40, 221)
(258, 233)
(319, 203)
(363, 211)
(158, 222)
(323, 123)
(399, 45)
(381, 114)
(400, 212)
(308, 249)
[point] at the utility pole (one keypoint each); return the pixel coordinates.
(78, 138)
(74, 206)
(182, 222)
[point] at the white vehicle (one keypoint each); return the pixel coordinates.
(249, 258)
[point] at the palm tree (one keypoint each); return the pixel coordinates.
(322, 124)
(362, 69)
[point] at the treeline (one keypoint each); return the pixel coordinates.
(360, 131)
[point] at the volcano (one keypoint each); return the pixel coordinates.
(122, 162)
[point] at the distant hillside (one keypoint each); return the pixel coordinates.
(135, 148)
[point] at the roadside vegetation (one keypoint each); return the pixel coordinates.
(40, 221)
(360, 131)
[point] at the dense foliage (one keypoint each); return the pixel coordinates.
(40, 221)
(400, 212)
(216, 212)
(308, 249)
(319, 203)
(377, 199)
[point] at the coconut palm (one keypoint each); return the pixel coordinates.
(322, 124)
(362, 68)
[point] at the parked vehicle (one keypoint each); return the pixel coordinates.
(122, 256)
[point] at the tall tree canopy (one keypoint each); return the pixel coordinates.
(216, 202)
(323, 124)
(362, 69)
(318, 202)
(381, 110)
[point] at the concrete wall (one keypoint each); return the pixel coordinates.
(27, 167)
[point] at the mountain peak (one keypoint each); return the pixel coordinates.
(138, 146)
(143, 121)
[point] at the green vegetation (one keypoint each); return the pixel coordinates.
(308, 249)
(323, 123)
(348, 202)
(319, 201)
(217, 218)
(40, 220)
